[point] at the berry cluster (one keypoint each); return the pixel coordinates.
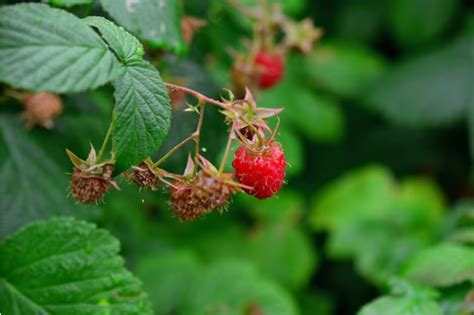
(259, 163)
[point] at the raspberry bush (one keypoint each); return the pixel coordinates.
(273, 157)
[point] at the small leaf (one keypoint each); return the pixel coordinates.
(156, 22)
(47, 49)
(406, 299)
(432, 90)
(142, 114)
(32, 186)
(75, 269)
(124, 44)
(442, 265)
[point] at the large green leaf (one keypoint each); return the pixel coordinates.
(442, 265)
(124, 44)
(431, 90)
(142, 113)
(167, 277)
(66, 267)
(156, 22)
(232, 287)
(366, 192)
(406, 299)
(405, 17)
(345, 69)
(47, 49)
(32, 186)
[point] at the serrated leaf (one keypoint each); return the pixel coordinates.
(67, 3)
(124, 44)
(442, 265)
(156, 22)
(364, 192)
(406, 299)
(344, 69)
(431, 90)
(234, 287)
(32, 186)
(142, 113)
(405, 17)
(167, 278)
(75, 269)
(48, 49)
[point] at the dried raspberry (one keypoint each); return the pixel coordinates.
(144, 175)
(89, 186)
(41, 108)
(262, 169)
(270, 68)
(204, 194)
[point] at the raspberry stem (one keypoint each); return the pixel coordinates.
(199, 96)
(198, 138)
(106, 140)
(227, 149)
(174, 149)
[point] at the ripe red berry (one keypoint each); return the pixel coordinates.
(270, 69)
(264, 170)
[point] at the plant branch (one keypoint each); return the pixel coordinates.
(227, 150)
(198, 138)
(106, 141)
(174, 149)
(199, 96)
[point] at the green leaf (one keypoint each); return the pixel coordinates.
(406, 299)
(75, 269)
(167, 277)
(232, 287)
(47, 49)
(33, 186)
(318, 116)
(442, 265)
(67, 3)
(470, 122)
(124, 44)
(365, 192)
(294, 151)
(156, 22)
(344, 69)
(405, 18)
(142, 113)
(432, 90)
(291, 246)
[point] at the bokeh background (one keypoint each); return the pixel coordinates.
(378, 128)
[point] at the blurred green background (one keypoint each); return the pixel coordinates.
(378, 130)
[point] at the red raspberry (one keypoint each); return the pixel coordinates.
(270, 69)
(264, 170)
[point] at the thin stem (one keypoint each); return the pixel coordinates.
(199, 96)
(198, 139)
(227, 150)
(106, 141)
(174, 149)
